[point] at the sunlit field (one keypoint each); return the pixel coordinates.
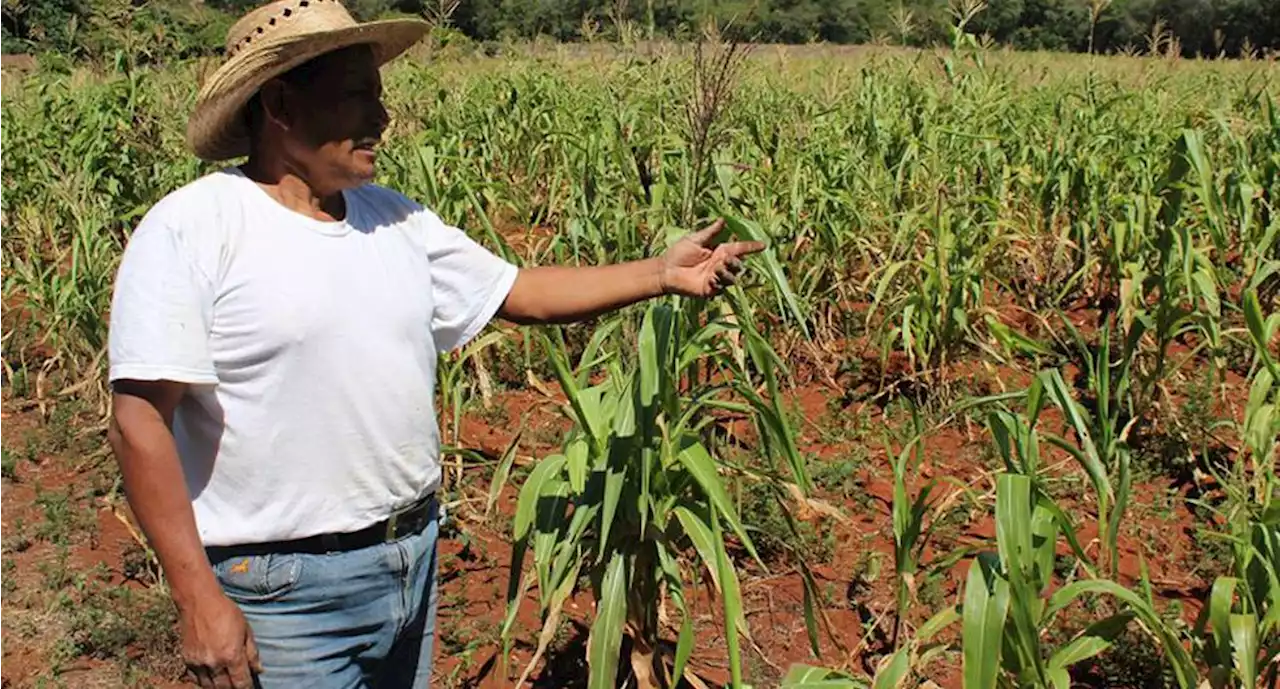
(996, 407)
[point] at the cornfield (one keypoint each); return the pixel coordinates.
(1090, 235)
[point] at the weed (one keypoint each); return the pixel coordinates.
(111, 619)
(1134, 661)
(20, 541)
(9, 584)
(544, 435)
(62, 434)
(62, 517)
(930, 591)
(838, 476)
(59, 515)
(1212, 554)
(8, 465)
(19, 385)
(494, 415)
(136, 564)
(56, 572)
(46, 681)
(772, 533)
(463, 640)
(25, 628)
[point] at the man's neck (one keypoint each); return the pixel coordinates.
(291, 189)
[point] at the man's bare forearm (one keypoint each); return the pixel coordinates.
(157, 494)
(565, 294)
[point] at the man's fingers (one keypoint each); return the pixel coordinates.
(204, 678)
(741, 248)
(251, 652)
(239, 674)
(725, 276)
(705, 235)
(222, 679)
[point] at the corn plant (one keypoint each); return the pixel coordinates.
(1017, 442)
(1240, 624)
(1006, 610)
(893, 671)
(1101, 445)
(635, 485)
(455, 389)
(913, 522)
(934, 316)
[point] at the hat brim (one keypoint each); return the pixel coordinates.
(217, 129)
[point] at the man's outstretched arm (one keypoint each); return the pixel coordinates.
(564, 294)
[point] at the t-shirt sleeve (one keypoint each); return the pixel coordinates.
(469, 284)
(161, 311)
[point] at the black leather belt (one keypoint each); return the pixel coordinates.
(404, 522)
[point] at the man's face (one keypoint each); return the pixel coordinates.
(335, 118)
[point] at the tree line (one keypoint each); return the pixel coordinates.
(1193, 27)
(158, 30)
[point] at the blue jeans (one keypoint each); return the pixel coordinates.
(357, 619)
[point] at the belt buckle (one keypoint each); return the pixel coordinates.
(401, 517)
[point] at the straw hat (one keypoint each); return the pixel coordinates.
(270, 41)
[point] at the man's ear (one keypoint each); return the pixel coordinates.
(275, 109)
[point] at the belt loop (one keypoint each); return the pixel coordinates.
(390, 535)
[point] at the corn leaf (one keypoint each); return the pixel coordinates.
(605, 640)
(1244, 640)
(649, 373)
(621, 452)
(545, 479)
(576, 465)
(502, 472)
(684, 644)
(699, 532)
(1087, 455)
(734, 619)
(893, 674)
(746, 230)
(986, 605)
(1221, 600)
(1179, 659)
(800, 676)
(1095, 639)
(1258, 330)
(693, 456)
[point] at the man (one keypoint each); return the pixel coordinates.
(274, 335)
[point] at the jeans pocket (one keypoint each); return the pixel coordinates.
(258, 578)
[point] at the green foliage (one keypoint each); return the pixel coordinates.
(102, 30)
(636, 486)
(8, 465)
(1004, 187)
(109, 621)
(8, 582)
(163, 30)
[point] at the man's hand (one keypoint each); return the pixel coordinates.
(217, 644)
(565, 294)
(691, 268)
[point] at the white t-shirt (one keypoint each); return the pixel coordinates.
(311, 347)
